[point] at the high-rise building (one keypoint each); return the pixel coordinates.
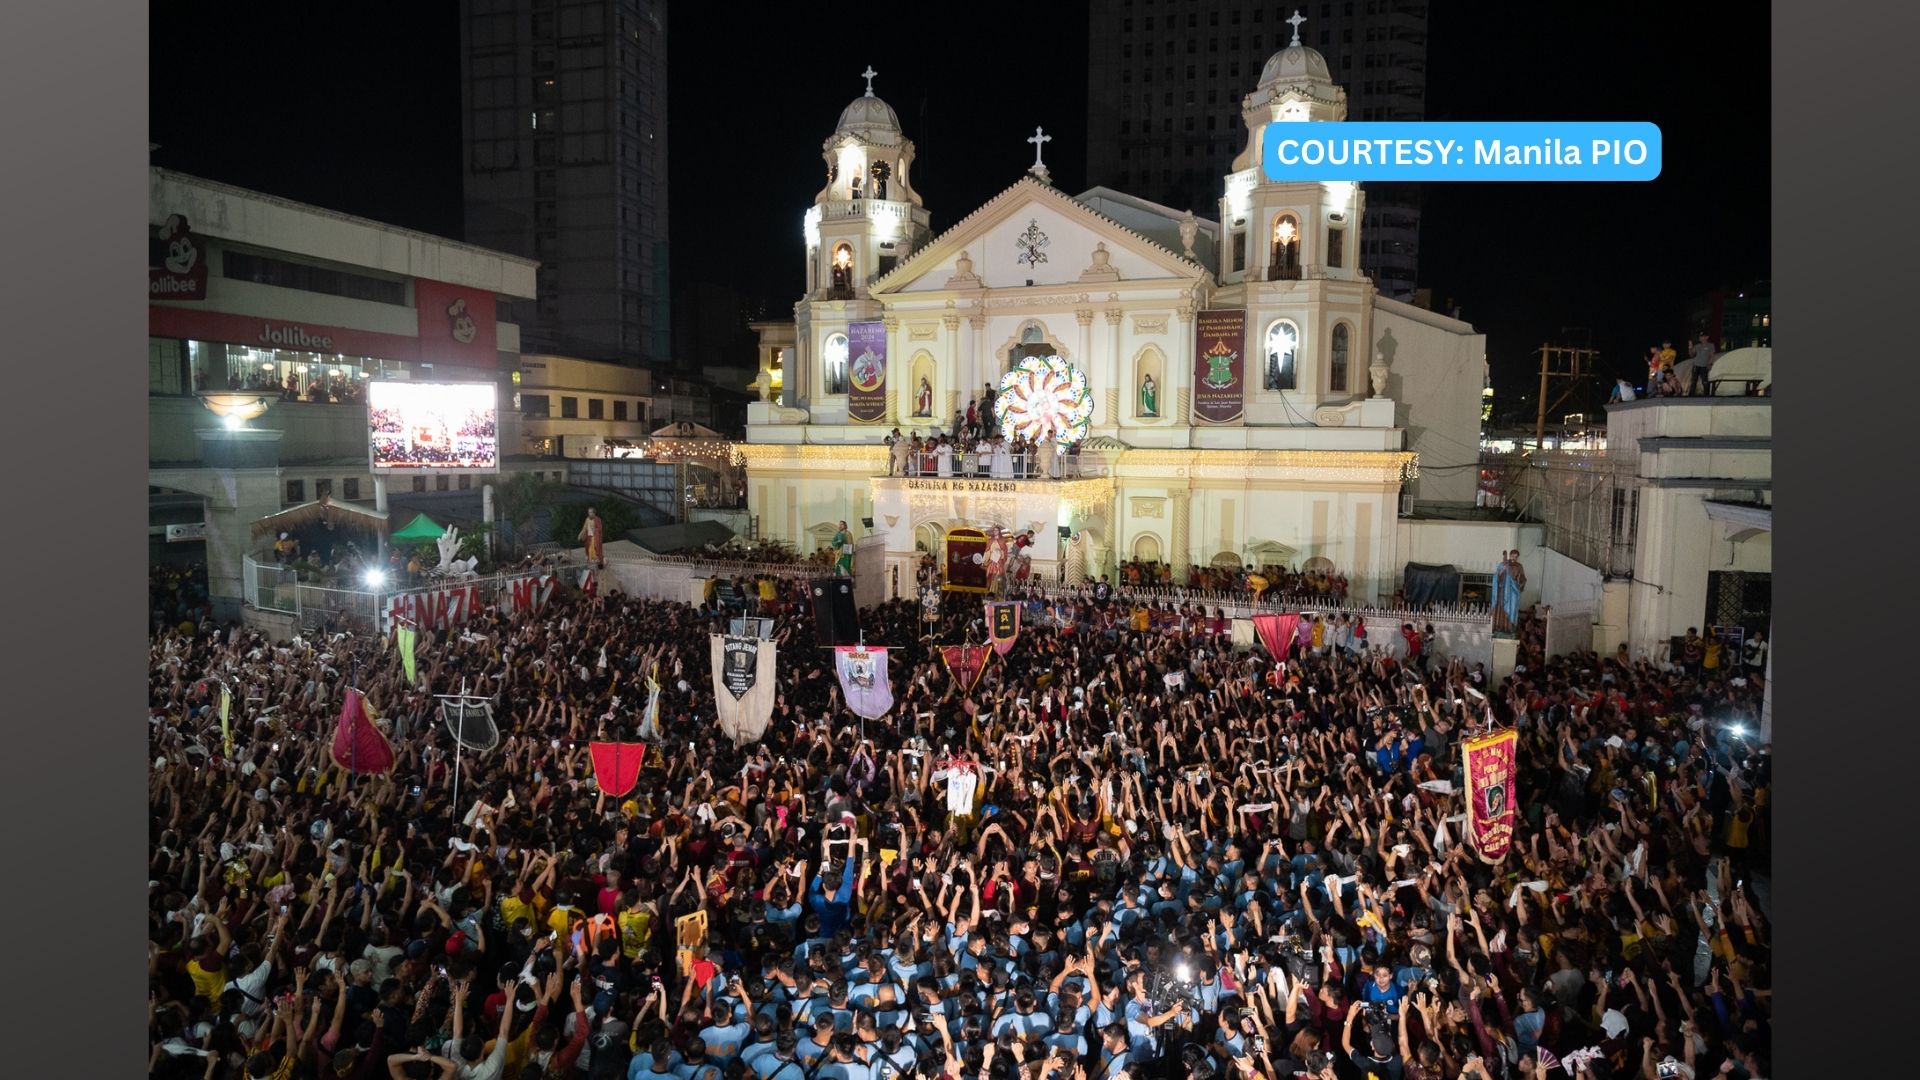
(564, 122)
(1165, 77)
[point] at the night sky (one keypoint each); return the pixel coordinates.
(356, 107)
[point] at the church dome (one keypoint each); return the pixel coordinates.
(1295, 63)
(869, 115)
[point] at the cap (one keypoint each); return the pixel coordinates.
(360, 967)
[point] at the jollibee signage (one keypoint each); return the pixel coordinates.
(182, 273)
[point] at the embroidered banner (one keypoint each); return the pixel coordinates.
(1490, 793)
(358, 746)
(744, 668)
(1003, 624)
(863, 680)
(965, 663)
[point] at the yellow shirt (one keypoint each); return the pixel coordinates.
(1319, 634)
(636, 930)
(561, 920)
(513, 908)
(207, 984)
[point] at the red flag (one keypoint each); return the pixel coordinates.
(965, 663)
(1276, 633)
(358, 746)
(616, 765)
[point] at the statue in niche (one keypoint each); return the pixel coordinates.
(1149, 396)
(923, 398)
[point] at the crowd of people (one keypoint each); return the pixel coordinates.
(1124, 853)
(988, 456)
(332, 387)
(1670, 376)
(1318, 585)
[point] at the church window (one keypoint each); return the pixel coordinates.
(1283, 345)
(1239, 251)
(1336, 247)
(834, 363)
(1284, 263)
(843, 267)
(1341, 345)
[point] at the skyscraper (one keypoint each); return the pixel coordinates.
(1165, 79)
(564, 122)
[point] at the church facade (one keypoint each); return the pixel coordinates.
(1254, 401)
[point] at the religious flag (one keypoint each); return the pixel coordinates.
(1276, 633)
(589, 582)
(358, 746)
(616, 765)
(650, 720)
(226, 724)
(470, 721)
(965, 663)
(1003, 624)
(863, 679)
(743, 667)
(1490, 792)
(404, 640)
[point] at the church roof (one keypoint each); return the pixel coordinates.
(1026, 185)
(868, 116)
(1293, 64)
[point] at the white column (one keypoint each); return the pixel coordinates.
(380, 493)
(981, 371)
(947, 375)
(1180, 361)
(1112, 407)
(899, 378)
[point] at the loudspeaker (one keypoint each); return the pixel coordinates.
(834, 620)
(866, 523)
(1066, 532)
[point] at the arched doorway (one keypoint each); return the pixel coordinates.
(1146, 548)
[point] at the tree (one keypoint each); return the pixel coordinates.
(522, 499)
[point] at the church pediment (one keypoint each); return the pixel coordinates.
(1034, 234)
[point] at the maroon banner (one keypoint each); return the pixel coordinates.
(966, 569)
(1490, 793)
(1219, 366)
(1276, 633)
(616, 765)
(358, 746)
(456, 324)
(1003, 624)
(867, 372)
(965, 663)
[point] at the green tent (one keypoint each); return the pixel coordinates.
(421, 527)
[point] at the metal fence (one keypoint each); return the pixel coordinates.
(270, 587)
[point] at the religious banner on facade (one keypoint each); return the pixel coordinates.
(1219, 366)
(867, 372)
(616, 765)
(965, 663)
(744, 668)
(966, 569)
(1003, 624)
(863, 680)
(1276, 633)
(1490, 793)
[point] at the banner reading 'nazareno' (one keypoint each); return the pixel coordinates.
(1490, 792)
(1219, 366)
(867, 372)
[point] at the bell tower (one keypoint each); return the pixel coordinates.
(864, 221)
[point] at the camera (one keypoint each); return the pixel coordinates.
(1668, 1069)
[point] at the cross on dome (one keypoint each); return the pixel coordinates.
(1039, 141)
(1295, 23)
(870, 73)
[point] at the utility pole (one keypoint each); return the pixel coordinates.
(1567, 365)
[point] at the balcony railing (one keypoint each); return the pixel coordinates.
(1024, 465)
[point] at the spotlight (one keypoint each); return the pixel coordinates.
(233, 421)
(1739, 731)
(1182, 972)
(374, 579)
